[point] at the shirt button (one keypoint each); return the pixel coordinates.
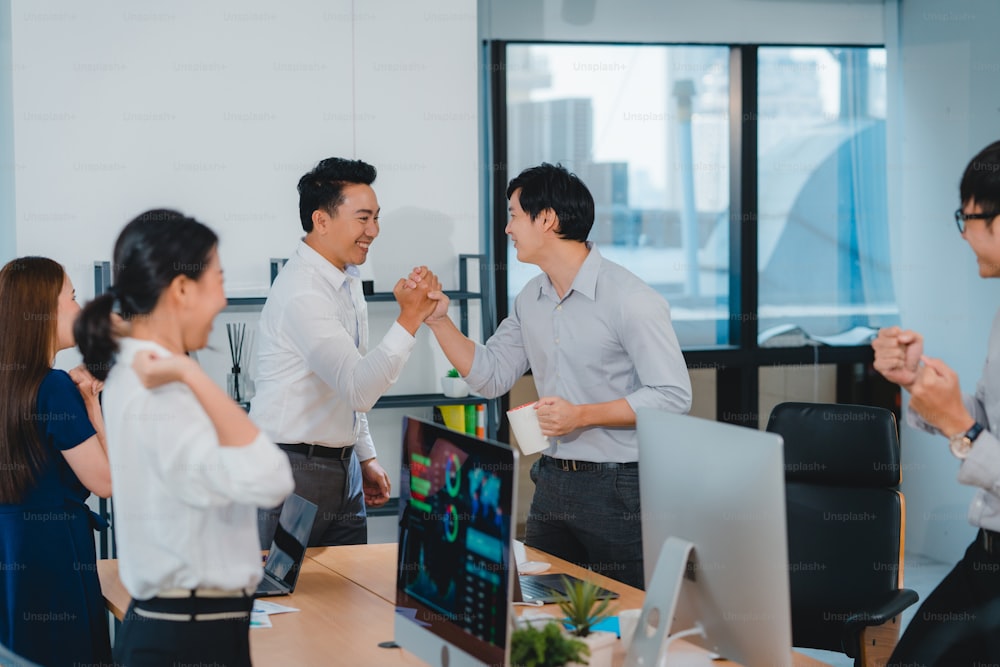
(557, 341)
(559, 307)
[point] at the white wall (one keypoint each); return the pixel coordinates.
(218, 108)
(7, 235)
(945, 111)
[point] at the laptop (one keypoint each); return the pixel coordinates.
(288, 549)
(548, 588)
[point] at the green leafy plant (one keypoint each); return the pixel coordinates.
(548, 647)
(453, 373)
(582, 606)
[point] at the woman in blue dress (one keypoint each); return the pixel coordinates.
(52, 457)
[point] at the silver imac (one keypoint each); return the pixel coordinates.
(714, 540)
(454, 574)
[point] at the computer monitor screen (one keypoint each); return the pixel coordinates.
(453, 584)
(720, 487)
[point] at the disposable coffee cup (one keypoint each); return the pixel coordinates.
(524, 423)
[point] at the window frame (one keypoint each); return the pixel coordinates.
(737, 364)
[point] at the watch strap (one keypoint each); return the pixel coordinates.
(974, 432)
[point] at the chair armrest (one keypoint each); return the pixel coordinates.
(891, 604)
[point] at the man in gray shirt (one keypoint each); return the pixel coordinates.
(600, 345)
(959, 622)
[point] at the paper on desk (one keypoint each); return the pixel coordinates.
(524, 422)
(855, 336)
(265, 607)
(259, 619)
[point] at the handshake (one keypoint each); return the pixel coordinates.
(420, 299)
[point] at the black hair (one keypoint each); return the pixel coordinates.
(981, 180)
(150, 252)
(554, 187)
(323, 186)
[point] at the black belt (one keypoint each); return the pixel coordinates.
(194, 608)
(569, 465)
(318, 450)
(989, 540)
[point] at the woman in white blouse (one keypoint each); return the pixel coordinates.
(188, 466)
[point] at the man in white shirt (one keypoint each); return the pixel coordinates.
(316, 377)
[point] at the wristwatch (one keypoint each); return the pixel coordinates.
(961, 443)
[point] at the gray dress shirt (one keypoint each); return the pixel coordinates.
(609, 337)
(982, 467)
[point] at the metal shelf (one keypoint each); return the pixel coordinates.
(245, 300)
(426, 400)
(454, 295)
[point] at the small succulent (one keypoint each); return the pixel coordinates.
(582, 606)
(453, 373)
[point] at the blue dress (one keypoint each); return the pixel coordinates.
(51, 608)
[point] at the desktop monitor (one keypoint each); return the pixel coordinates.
(713, 502)
(453, 578)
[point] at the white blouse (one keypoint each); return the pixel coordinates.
(185, 508)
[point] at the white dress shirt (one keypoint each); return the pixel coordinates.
(185, 508)
(315, 377)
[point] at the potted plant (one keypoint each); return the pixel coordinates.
(584, 610)
(549, 646)
(453, 386)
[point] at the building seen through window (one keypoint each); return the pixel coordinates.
(647, 128)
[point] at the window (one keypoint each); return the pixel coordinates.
(744, 183)
(823, 249)
(646, 128)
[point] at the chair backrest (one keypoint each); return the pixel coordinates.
(838, 445)
(845, 515)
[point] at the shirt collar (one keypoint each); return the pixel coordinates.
(331, 273)
(128, 346)
(585, 281)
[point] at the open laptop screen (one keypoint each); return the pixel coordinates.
(288, 549)
(456, 507)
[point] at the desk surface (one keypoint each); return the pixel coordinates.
(347, 599)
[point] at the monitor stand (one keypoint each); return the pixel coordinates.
(650, 639)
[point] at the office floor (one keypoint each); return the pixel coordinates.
(922, 575)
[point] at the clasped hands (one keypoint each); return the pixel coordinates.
(423, 286)
(935, 393)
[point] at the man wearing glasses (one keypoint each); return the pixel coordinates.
(959, 623)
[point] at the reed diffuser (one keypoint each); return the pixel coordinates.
(236, 380)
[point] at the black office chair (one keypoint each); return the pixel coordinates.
(846, 520)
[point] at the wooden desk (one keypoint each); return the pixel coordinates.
(339, 622)
(347, 599)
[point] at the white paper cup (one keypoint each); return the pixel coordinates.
(524, 424)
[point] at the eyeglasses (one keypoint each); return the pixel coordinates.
(960, 218)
